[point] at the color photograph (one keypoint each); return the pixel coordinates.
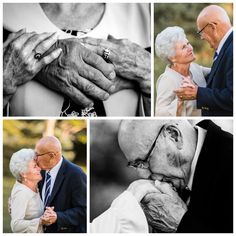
(44, 176)
(193, 59)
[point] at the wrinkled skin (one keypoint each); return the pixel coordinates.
(19, 64)
(131, 62)
(164, 210)
(78, 73)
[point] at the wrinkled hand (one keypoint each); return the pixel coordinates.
(140, 188)
(187, 93)
(78, 73)
(164, 210)
(130, 60)
(186, 82)
(49, 217)
(19, 64)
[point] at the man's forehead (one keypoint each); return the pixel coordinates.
(137, 136)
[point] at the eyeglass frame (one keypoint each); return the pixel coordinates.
(38, 155)
(200, 31)
(137, 162)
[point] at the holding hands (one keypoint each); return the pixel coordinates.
(164, 209)
(49, 217)
(187, 91)
(20, 64)
(130, 60)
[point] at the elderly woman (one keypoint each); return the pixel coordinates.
(173, 47)
(27, 209)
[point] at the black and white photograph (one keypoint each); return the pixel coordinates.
(77, 59)
(152, 176)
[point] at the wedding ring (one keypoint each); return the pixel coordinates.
(106, 54)
(37, 55)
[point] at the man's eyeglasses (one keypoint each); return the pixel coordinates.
(144, 164)
(38, 155)
(200, 31)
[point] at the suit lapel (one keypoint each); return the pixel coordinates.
(59, 179)
(206, 162)
(218, 60)
(40, 184)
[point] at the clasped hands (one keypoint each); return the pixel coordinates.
(74, 67)
(49, 216)
(187, 91)
(161, 204)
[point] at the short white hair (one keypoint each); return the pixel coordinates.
(166, 40)
(19, 162)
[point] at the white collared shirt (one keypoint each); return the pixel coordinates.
(53, 173)
(223, 40)
(200, 140)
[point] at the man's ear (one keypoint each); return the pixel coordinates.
(174, 134)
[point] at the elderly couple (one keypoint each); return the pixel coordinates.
(76, 59)
(186, 183)
(187, 89)
(50, 192)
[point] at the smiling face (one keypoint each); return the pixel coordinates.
(32, 173)
(183, 53)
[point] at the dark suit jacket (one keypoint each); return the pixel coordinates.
(211, 205)
(217, 98)
(69, 199)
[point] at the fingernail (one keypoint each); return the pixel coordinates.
(55, 35)
(106, 96)
(112, 88)
(112, 75)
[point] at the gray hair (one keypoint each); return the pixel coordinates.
(19, 162)
(166, 40)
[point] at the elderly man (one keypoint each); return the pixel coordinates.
(181, 157)
(217, 98)
(63, 187)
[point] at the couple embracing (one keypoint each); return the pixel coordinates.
(50, 192)
(186, 88)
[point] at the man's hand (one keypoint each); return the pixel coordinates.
(49, 217)
(19, 63)
(140, 188)
(187, 93)
(130, 60)
(164, 210)
(78, 73)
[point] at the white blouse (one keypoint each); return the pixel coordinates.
(170, 80)
(125, 215)
(26, 210)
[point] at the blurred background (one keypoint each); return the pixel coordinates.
(109, 174)
(184, 15)
(19, 134)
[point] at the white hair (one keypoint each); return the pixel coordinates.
(166, 40)
(19, 162)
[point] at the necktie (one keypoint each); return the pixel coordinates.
(215, 56)
(185, 194)
(47, 189)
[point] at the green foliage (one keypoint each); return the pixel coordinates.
(8, 183)
(19, 134)
(184, 15)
